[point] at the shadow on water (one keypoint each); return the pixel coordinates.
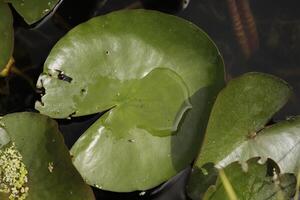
(186, 143)
(191, 131)
(73, 128)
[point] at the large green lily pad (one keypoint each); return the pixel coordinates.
(37, 157)
(253, 184)
(33, 10)
(6, 34)
(157, 74)
(241, 110)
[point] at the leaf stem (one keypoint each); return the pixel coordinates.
(227, 185)
(6, 70)
(11, 68)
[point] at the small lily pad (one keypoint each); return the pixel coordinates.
(33, 10)
(235, 130)
(241, 110)
(45, 170)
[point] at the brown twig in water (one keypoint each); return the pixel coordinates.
(238, 28)
(250, 26)
(244, 26)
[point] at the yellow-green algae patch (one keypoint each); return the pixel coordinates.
(13, 174)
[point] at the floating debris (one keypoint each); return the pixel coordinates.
(50, 167)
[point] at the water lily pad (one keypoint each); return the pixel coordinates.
(39, 159)
(6, 34)
(33, 10)
(240, 111)
(253, 184)
(280, 142)
(157, 75)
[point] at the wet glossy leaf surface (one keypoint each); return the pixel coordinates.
(240, 111)
(253, 184)
(6, 34)
(51, 174)
(158, 75)
(33, 10)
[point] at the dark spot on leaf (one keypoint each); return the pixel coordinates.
(83, 91)
(106, 52)
(62, 76)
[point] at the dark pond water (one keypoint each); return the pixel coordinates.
(275, 49)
